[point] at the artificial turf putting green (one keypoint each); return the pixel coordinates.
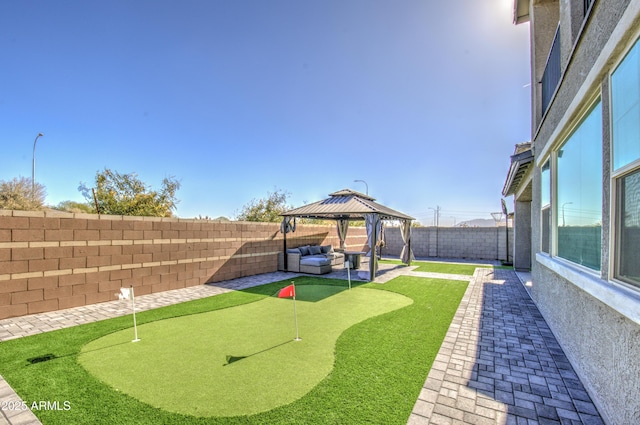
(236, 361)
(466, 269)
(380, 363)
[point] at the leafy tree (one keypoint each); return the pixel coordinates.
(19, 194)
(76, 207)
(207, 218)
(126, 194)
(266, 209)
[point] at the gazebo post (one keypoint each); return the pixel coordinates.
(373, 259)
(285, 262)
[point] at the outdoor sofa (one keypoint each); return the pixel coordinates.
(314, 259)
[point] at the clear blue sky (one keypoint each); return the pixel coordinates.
(422, 99)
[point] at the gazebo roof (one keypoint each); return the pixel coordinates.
(346, 204)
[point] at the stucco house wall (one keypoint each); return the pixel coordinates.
(595, 318)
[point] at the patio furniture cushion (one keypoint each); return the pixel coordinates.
(315, 261)
(304, 250)
(315, 250)
(335, 256)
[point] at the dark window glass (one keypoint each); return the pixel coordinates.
(628, 228)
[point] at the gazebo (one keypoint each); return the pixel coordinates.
(348, 205)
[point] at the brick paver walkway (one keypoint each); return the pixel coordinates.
(499, 363)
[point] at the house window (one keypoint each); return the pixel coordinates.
(628, 228)
(625, 106)
(552, 72)
(625, 116)
(545, 197)
(578, 206)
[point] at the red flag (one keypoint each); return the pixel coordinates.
(287, 292)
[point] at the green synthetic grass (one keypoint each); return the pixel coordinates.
(378, 370)
(244, 357)
(446, 268)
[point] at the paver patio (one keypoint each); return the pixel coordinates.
(499, 362)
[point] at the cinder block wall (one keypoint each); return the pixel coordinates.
(482, 243)
(53, 260)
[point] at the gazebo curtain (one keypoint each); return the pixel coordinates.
(374, 228)
(288, 225)
(406, 256)
(342, 225)
(373, 221)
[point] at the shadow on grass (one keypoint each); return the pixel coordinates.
(50, 356)
(232, 359)
(308, 288)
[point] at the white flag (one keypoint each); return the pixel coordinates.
(125, 294)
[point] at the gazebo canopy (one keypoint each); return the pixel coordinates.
(346, 204)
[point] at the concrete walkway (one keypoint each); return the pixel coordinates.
(499, 363)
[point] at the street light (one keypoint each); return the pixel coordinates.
(33, 166)
(365, 183)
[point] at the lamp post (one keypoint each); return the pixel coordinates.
(33, 166)
(505, 211)
(365, 183)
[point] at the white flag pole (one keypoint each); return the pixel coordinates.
(135, 326)
(295, 314)
(347, 264)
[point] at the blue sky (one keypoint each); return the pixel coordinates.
(424, 100)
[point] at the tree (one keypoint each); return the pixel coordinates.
(207, 218)
(19, 194)
(126, 194)
(266, 209)
(75, 207)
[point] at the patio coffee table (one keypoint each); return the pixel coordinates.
(353, 257)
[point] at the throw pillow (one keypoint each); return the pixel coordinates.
(315, 250)
(304, 250)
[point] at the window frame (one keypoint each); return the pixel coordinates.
(546, 208)
(616, 175)
(616, 218)
(551, 157)
(588, 107)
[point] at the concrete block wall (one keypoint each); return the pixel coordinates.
(482, 243)
(53, 260)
